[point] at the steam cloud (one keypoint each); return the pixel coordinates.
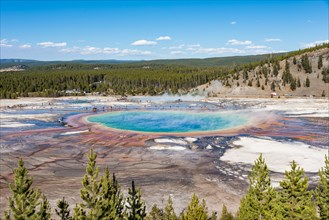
(196, 95)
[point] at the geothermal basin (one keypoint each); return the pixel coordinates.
(170, 121)
(203, 146)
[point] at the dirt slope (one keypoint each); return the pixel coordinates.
(238, 85)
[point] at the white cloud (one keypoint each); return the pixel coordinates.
(220, 50)
(70, 50)
(91, 50)
(129, 52)
(177, 52)
(181, 46)
(257, 47)
(110, 50)
(4, 43)
(144, 43)
(249, 49)
(279, 51)
(107, 50)
(314, 43)
(164, 38)
(272, 40)
(198, 49)
(238, 42)
(259, 51)
(25, 46)
(193, 47)
(233, 22)
(51, 44)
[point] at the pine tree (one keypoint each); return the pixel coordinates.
(135, 208)
(299, 83)
(275, 70)
(293, 84)
(273, 86)
(294, 61)
(306, 64)
(213, 216)
(320, 64)
(91, 188)
(325, 75)
(169, 212)
(79, 213)
(287, 66)
(155, 213)
(307, 83)
(286, 76)
(322, 191)
(44, 212)
(63, 210)
(226, 215)
(260, 201)
(245, 75)
(110, 201)
(102, 197)
(24, 201)
(295, 200)
(195, 210)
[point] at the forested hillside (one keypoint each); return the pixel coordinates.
(300, 73)
(285, 73)
(54, 81)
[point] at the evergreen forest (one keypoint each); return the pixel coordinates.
(55, 79)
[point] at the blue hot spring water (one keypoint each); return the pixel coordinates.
(169, 121)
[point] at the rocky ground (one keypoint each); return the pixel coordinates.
(162, 165)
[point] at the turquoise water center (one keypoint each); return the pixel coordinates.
(169, 121)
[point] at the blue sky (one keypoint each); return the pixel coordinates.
(67, 30)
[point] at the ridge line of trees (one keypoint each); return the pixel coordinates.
(134, 79)
(121, 81)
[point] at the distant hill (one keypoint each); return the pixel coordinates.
(215, 61)
(206, 62)
(298, 74)
(6, 63)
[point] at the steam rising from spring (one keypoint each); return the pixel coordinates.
(194, 96)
